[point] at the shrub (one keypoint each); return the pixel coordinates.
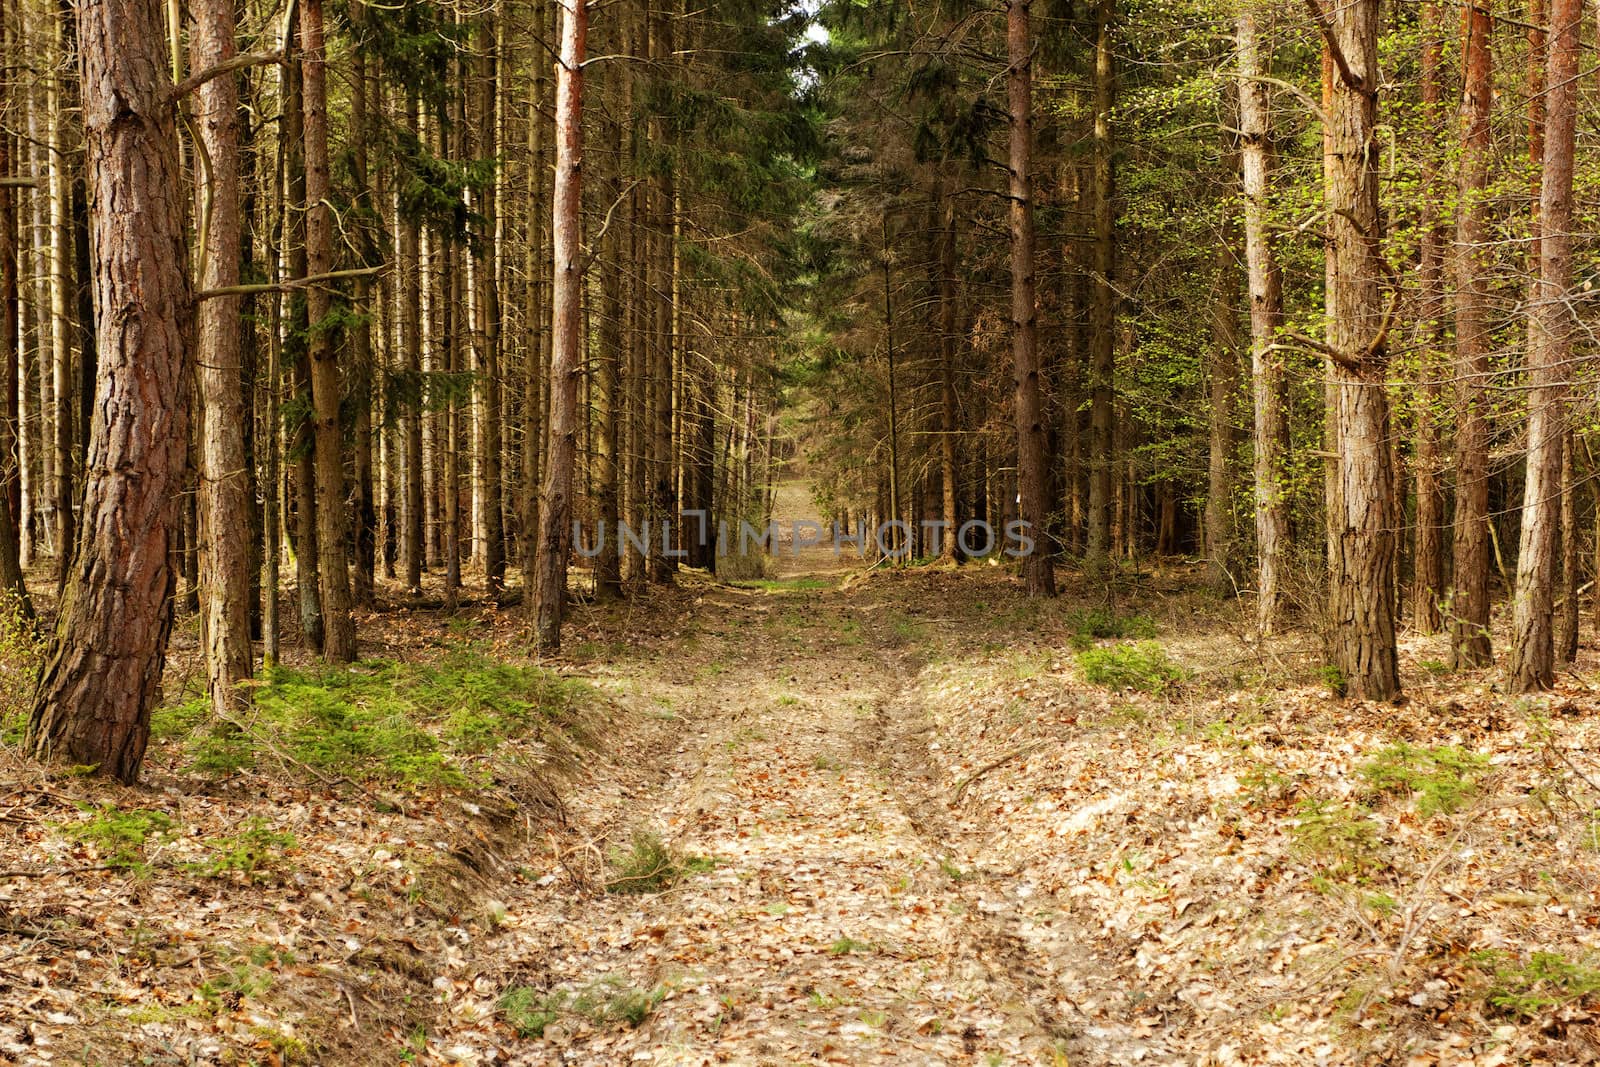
(118, 836)
(1442, 778)
(1144, 665)
(649, 865)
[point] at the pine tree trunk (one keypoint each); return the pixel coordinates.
(1362, 541)
(1269, 389)
(1550, 328)
(566, 367)
(339, 632)
(1224, 375)
(1038, 575)
(1571, 556)
(1428, 579)
(1103, 309)
(103, 669)
(224, 476)
(365, 514)
(61, 334)
(607, 481)
(13, 429)
(488, 330)
(949, 413)
(1469, 598)
(296, 356)
(538, 319)
(412, 284)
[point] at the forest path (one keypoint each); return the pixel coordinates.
(837, 924)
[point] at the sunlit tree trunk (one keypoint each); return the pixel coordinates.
(339, 632)
(1102, 326)
(1428, 580)
(1037, 573)
(566, 366)
(1224, 388)
(224, 476)
(1550, 325)
(1362, 537)
(103, 668)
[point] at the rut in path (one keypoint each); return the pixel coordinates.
(841, 923)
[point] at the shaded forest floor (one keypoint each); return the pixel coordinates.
(834, 817)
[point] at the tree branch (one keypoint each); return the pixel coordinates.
(290, 285)
(1331, 38)
(240, 62)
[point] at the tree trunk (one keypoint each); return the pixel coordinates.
(1362, 541)
(949, 413)
(224, 476)
(339, 632)
(1571, 556)
(365, 513)
(1269, 388)
(1038, 575)
(103, 669)
(1469, 599)
(1428, 578)
(412, 284)
(13, 515)
(607, 481)
(1103, 309)
(1224, 374)
(537, 318)
(488, 331)
(1550, 327)
(566, 365)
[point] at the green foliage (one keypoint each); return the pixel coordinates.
(1525, 990)
(1101, 623)
(21, 653)
(1441, 778)
(254, 851)
(414, 725)
(609, 1001)
(1344, 837)
(119, 836)
(846, 945)
(1143, 665)
(650, 865)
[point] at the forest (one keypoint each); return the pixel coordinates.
(777, 531)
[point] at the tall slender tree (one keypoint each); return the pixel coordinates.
(566, 367)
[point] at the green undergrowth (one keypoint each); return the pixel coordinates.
(404, 724)
(119, 836)
(784, 585)
(1143, 665)
(21, 652)
(609, 1001)
(1443, 779)
(1525, 990)
(650, 865)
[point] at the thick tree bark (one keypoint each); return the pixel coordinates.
(1550, 328)
(339, 632)
(1038, 575)
(1102, 326)
(1469, 598)
(1428, 579)
(1268, 385)
(566, 366)
(224, 476)
(103, 669)
(1362, 536)
(1571, 556)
